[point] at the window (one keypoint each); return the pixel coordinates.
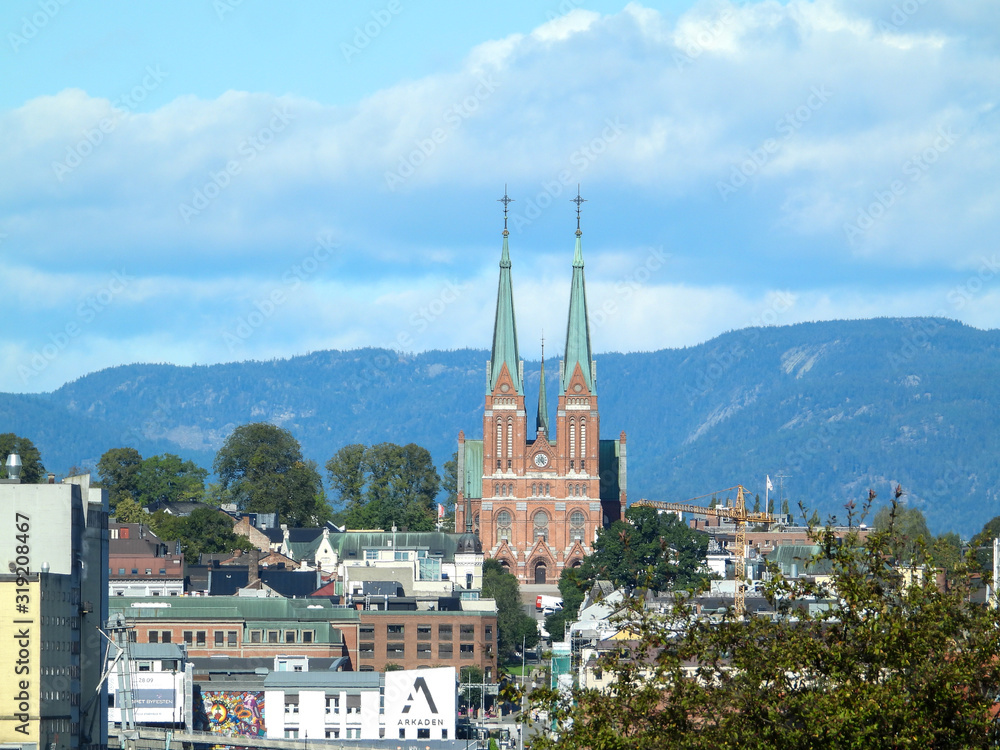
(366, 649)
(166, 636)
(541, 523)
(468, 633)
(188, 637)
(220, 638)
(291, 704)
(145, 666)
(289, 636)
(423, 632)
(154, 636)
(423, 733)
(149, 571)
(367, 668)
(394, 629)
(445, 651)
(583, 439)
(489, 632)
(510, 439)
(423, 651)
(395, 650)
(291, 734)
(272, 636)
(135, 571)
(444, 632)
(572, 438)
(503, 525)
(307, 636)
(121, 571)
(333, 734)
(200, 637)
(163, 571)
(233, 637)
(333, 704)
(467, 651)
(256, 636)
(577, 523)
(371, 554)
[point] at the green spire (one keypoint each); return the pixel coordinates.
(578, 327)
(542, 420)
(505, 329)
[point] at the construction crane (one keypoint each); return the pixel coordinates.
(738, 514)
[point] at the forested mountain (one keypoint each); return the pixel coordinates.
(837, 407)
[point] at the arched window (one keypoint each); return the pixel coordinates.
(510, 490)
(496, 489)
(534, 490)
(577, 525)
(499, 442)
(583, 438)
(476, 523)
(572, 438)
(546, 489)
(584, 490)
(510, 437)
(503, 526)
(541, 524)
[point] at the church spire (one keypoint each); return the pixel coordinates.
(504, 326)
(578, 327)
(542, 420)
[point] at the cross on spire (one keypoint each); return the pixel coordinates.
(578, 201)
(506, 201)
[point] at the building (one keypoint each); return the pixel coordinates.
(162, 686)
(53, 554)
(401, 705)
(141, 564)
(536, 496)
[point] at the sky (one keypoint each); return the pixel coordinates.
(207, 181)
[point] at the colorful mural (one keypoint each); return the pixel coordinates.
(236, 713)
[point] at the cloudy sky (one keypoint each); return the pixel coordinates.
(200, 182)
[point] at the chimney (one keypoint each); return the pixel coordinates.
(253, 570)
(52, 478)
(14, 467)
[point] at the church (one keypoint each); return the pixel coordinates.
(536, 496)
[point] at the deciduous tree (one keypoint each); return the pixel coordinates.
(515, 627)
(32, 470)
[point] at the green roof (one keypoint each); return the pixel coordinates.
(304, 550)
(542, 418)
(351, 545)
(577, 326)
(230, 608)
(505, 329)
(474, 469)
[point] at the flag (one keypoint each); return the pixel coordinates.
(440, 511)
(770, 487)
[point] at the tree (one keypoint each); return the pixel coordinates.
(573, 587)
(118, 470)
(167, 478)
(894, 661)
(32, 470)
(514, 626)
(261, 467)
(991, 530)
(909, 528)
(449, 483)
(129, 511)
(386, 485)
(206, 530)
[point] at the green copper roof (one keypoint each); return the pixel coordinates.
(542, 419)
(577, 328)
(505, 329)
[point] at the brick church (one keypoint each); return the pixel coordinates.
(536, 496)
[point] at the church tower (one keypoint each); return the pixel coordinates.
(537, 499)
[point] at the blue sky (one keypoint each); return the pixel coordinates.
(200, 182)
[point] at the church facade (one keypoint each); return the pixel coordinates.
(536, 496)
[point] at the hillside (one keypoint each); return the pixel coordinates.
(837, 406)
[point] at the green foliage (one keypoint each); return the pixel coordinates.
(449, 483)
(385, 484)
(573, 587)
(118, 470)
(647, 550)
(168, 478)
(262, 469)
(206, 530)
(514, 626)
(909, 528)
(991, 530)
(472, 674)
(895, 662)
(32, 470)
(129, 511)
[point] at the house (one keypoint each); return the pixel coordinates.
(141, 564)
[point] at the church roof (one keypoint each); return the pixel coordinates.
(577, 327)
(505, 329)
(542, 418)
(473, 470)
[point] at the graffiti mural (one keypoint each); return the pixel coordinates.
(236, 713)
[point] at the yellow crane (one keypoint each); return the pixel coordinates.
(740, 516)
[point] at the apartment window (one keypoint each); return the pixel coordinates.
(333, 734)
(149, 571)
(188, 637)
(423, 632)
(121, 571)
(468, 633)
(333, 704)
(154, 636)
(272, 636)
(135, 571)
(220, 639)
(233, 637)
(445, 651)
(423, 651)
(163, 571)
(165, 636)
(444, 632)
(291, 734)
(394, 629)
(291, 704)
(289, 636)
(371, 554)
(256, 636)
(367, 630)
(489, 632)
(395, 650)
(307, 636)
(423, 733)
(200, 636)
(367, 668)
(366, 649)
(467, 651)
